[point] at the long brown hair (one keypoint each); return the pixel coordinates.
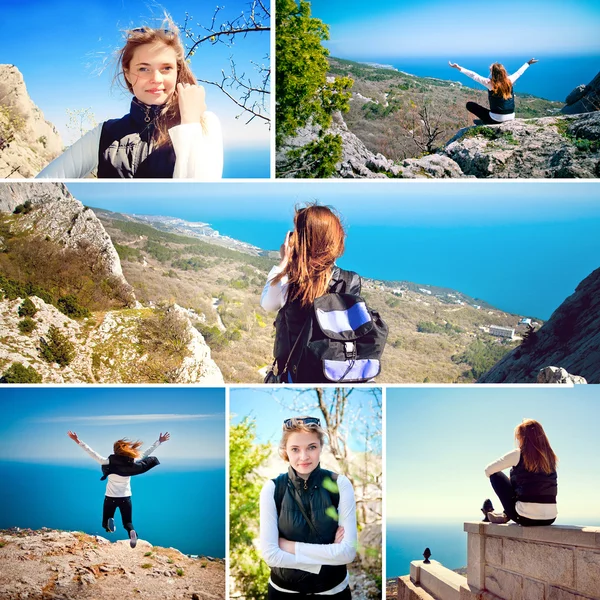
(501, 85)
(298, 425)
(169, 36)
(317, 240)
(536, 452)
(125, 447)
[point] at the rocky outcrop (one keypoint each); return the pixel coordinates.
(62, 564)
(56, 214)
(549, 147)
(27, 141)
(569, 339)
(558, 375)
(584, 98)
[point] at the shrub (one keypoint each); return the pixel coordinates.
(179, 572)
(27, 308)
(147, 566)
(57, 348)
(27, 325)
(23, 209)
(17, 373)
(69, 305)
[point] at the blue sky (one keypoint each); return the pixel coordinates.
(268, 407)
(439, 442)
(495, 241)
(34, 423)
(461, 28)
(65, 51)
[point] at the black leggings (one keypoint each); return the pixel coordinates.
(504, 490)
(273, 594)
(110, 506)
(481, 112)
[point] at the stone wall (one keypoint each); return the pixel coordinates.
(534, 563)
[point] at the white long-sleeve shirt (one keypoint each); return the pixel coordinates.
(309, 557)
(487, 83)
(530, 510)
(274, 296)
(117, 486)
(198, 153)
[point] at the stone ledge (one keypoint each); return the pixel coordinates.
(564, 535)
(436, 579)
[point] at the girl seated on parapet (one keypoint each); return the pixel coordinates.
(501, 94)
(529, 496)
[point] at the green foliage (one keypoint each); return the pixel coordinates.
(147, 566)
(128, 253)
(69, 305)
(23, 209)
(239, 284)
(250, 572)
(57, 348)
(430, 327)
(27, 308)
(481, 356)
(27, 325)
(190, 264)
(11, 122)
(217, 339)
(159, 251)
(317, 159)
(179, 572)
(17, 373)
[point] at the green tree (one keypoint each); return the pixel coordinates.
(248, 570)
(17, 373)
(304, 96)
(27, 308)
(57, 348)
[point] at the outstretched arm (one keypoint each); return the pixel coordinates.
(100, 459)
(484, 81)
(161, 439)
(522, 70)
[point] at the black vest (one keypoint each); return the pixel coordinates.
(533, 487)
(127, 467)
(290, 321)
(293, 526)
(500, 105)
(126, 146)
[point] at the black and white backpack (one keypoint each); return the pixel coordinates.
(341, 341)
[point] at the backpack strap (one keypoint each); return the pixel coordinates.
(345, 282)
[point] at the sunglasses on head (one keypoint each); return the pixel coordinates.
(306, 420)
(148, 30)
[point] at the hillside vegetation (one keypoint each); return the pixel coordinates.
(435, 335)
(395, 113)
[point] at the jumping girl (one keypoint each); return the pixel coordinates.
(168, 132)
(118, 468)
(501, 95)
(529, 496)
(305, 539)
(307, 270)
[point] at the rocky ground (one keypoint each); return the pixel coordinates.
(48, 564)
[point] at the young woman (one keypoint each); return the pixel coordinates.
(304, 538)
(167, 133)
(501, 95)
(119, 468)
(529, 496)
(307, 270)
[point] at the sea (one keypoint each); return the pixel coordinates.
(552, 78)
(171, 508)
(247, 163)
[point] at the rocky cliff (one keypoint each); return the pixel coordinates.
(66, 565)
(584, 98)
(548, 147)
(569, 339)
(27, 141)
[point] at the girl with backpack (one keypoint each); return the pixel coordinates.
(118, 468)
(168, 132)
(501, 95)
(308, 528)
(307, 351)
(529, 496)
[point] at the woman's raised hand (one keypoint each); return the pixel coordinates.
(285, 250)
(454, 65)
(339, 535)
(532, 60)
(192, 103)
(73, 436)
(164, 438)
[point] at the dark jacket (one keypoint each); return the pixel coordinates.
(540, 488)
(126, 146)
(500, 105)
(290, 321)
(127, 467)
(294, 527)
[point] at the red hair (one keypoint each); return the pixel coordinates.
(315, 243)
(536, 452)
(501, 85)
(125, 447)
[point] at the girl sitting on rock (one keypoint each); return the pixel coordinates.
(529, 496)
(119, 468)
(168, 132)
(501, 95)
